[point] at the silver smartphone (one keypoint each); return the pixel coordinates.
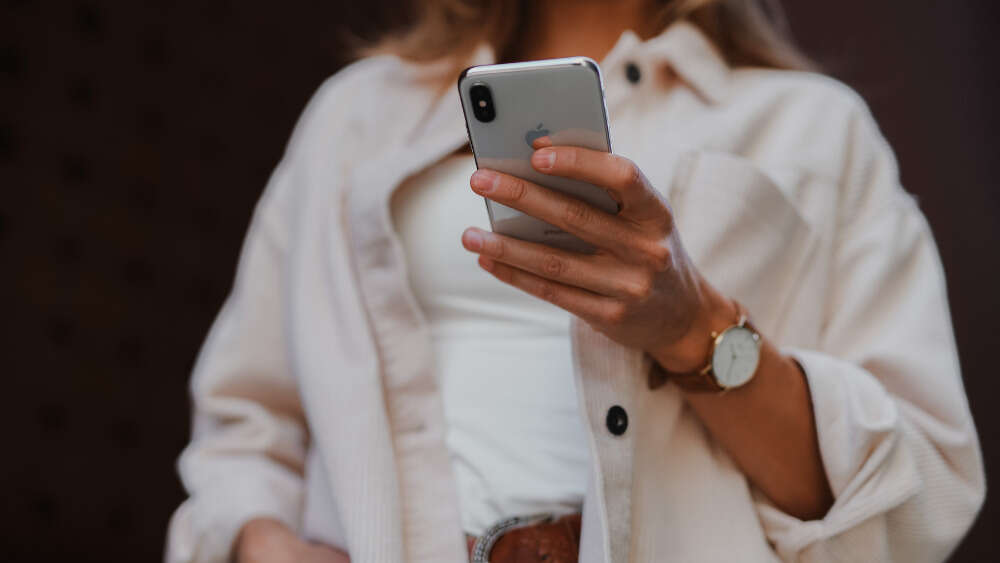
(508, 106)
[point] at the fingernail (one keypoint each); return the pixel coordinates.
(483, 181)
(473, 240)
(543, 159)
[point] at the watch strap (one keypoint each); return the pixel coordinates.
(698, 381)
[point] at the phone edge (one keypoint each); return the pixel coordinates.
(468, 135)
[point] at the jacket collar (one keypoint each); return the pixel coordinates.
(682, 47)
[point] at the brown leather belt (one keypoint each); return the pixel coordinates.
(529, 539)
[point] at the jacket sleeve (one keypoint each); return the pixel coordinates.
(249, 440)
(895, 432)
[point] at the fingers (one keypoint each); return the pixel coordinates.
(588, 306)
(590, 272)
(570, 214)
(541, 142)
(615, 173)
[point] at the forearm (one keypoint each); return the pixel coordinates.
(267, 540)
(767, 427)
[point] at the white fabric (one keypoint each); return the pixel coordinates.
(315, 399)
(514, 432)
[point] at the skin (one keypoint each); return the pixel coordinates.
(264, 540)
(640, 288)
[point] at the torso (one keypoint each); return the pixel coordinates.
(502, 358)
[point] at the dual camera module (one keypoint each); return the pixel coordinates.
(482, 103)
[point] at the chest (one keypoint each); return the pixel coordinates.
(429, 213)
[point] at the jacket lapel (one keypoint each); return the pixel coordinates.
(428, 502)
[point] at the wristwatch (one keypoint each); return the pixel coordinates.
(732, 361)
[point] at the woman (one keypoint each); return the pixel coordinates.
(368, 389)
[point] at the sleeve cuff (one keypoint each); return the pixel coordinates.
(205, 527)
(868, 466)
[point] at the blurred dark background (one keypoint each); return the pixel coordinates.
(135, 138)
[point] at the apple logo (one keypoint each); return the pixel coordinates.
(535, 133)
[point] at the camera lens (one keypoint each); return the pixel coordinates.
(482, 103)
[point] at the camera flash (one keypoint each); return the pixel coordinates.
(482, 103)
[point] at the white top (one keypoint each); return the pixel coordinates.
(503, 359)
(316, 401)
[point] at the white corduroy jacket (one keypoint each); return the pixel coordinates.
(315, 401)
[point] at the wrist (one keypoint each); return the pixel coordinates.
(266, 539)
(691, 351)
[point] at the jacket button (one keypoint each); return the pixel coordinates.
(617, 420)
(632, 73)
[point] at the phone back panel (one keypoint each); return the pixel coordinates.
(563, 98)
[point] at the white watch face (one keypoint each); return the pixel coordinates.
(736, 355)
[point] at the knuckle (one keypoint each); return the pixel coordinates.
(628, 174)
(665, 225)
(547, 291)
(576, 213)
(552, 265)
(517, 189)
(615, 315)
(496, 246)
(658, 256)
(640, 288)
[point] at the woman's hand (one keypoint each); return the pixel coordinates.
(264, 540)
(639, 288)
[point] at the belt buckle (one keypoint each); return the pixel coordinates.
(484, 543)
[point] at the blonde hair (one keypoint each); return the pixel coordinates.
(746, 32)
